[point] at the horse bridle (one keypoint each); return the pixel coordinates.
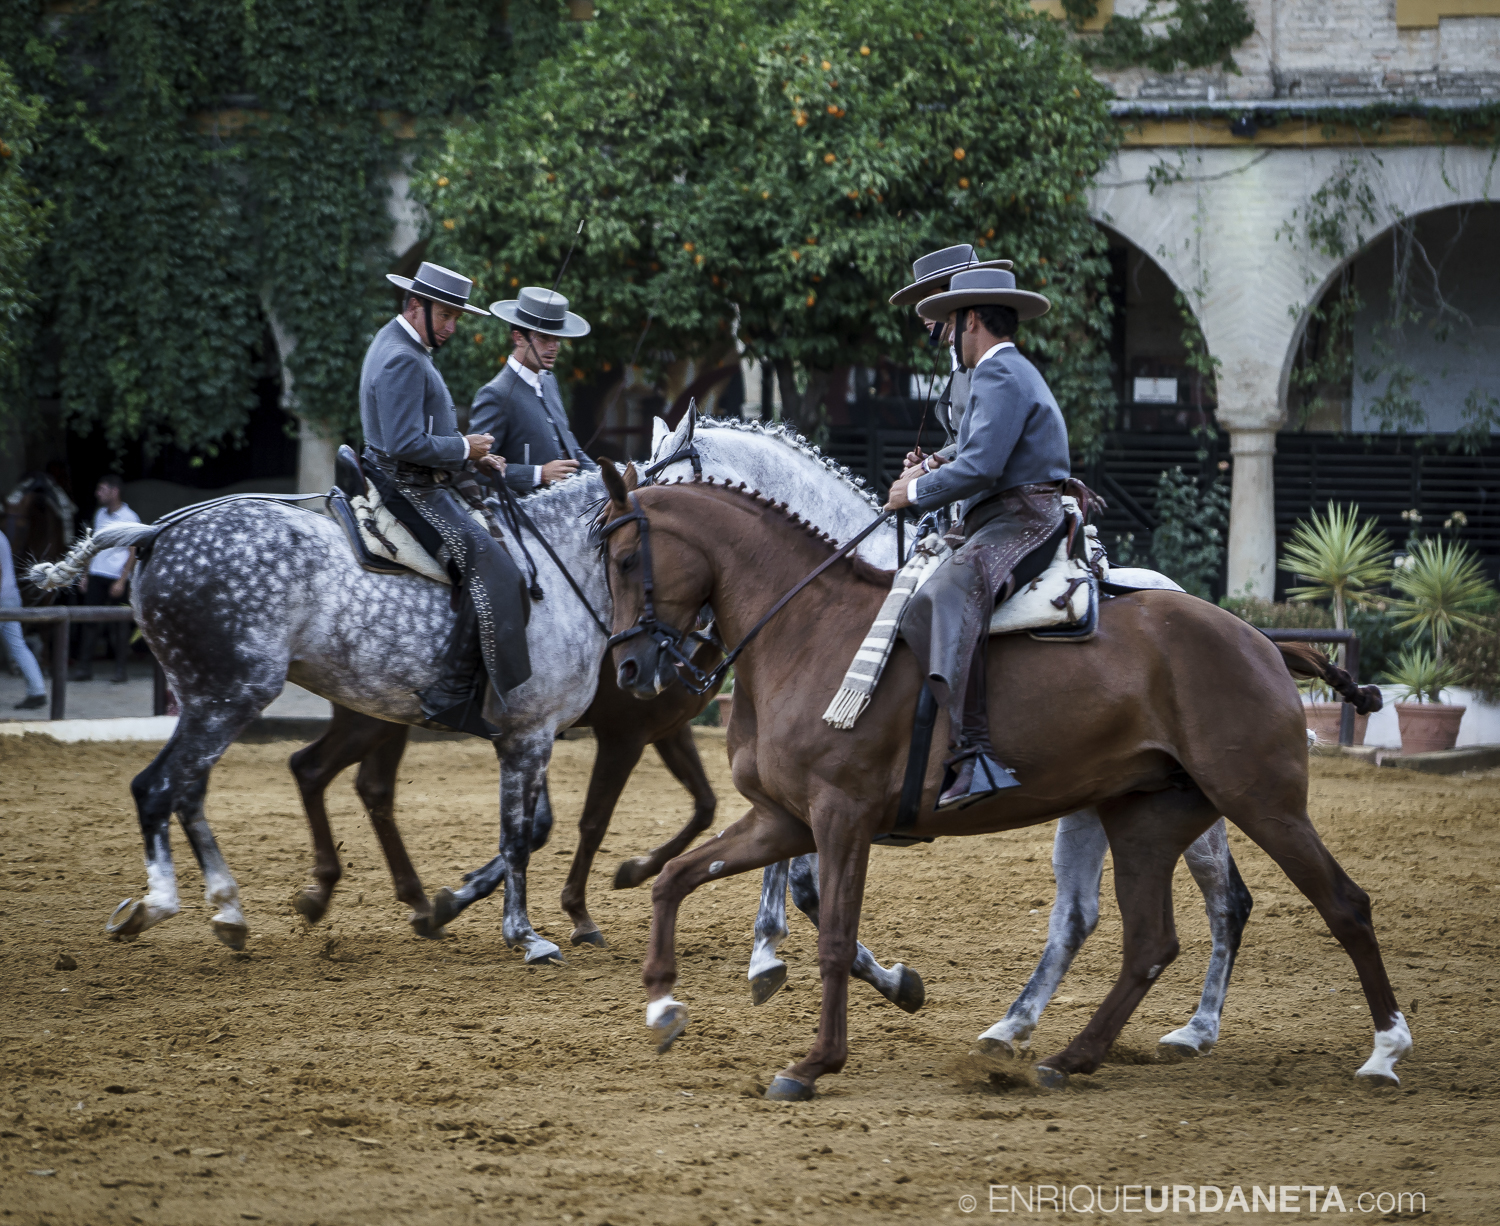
(668, 638)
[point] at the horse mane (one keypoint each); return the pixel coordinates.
(788, 437)
(863, 570)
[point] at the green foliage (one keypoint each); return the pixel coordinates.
(1422, 675)
(23, 218)
(1276, 615)
(1186, 34)
(777, 169)
(212, 164)
(1339, 558)
(1475, 652)
(1380, 640)
(1188, 543)
(1442, 587)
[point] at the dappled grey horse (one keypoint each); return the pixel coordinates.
(782, 465)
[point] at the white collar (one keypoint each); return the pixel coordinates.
(412, 332)
(531, 376)
(992, 351)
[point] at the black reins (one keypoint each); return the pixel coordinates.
(517, 516)
(670, 639)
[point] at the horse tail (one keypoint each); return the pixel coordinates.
(49, 576)
(1306, 661)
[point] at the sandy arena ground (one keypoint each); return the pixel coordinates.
(354, 1074)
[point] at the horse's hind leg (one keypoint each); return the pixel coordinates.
(1147, 833)
(900, 985)
(349, 738)
(1078, 851)
(376, 785)
(767, 971)
(1228, 903)
(152, 790)
(680, 754)
(1288, 838)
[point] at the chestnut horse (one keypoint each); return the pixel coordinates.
(1174, 713)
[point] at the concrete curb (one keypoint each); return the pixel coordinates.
(1438, 762)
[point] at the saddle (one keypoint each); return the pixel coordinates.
(379, 541)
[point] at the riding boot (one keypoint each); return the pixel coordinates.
(973, 771)
(456, 698)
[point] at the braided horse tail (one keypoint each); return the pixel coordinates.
(1305, 661)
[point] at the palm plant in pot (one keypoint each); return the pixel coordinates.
(1440, 587)
(1342, 560)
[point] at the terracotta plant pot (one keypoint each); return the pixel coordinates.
(1426, 726)
(1323, 718)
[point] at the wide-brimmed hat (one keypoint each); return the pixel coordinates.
(931, 272)
(441, 285)
(988, 286)
(541, 310)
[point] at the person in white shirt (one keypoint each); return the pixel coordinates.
(107, 582)
(12, 636)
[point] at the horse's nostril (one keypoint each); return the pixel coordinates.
(626, 673)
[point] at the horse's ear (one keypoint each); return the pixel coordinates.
(683, 436)
(632, 478)
(613, 482)
(659, 431)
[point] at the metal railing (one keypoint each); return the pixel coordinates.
(60, 617)
(1350, 640)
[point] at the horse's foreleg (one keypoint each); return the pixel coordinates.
(349, 737)
(376, 785)
(1078, 851)
(614, 758)
(680, 754)
(523, 776)
(767, 971)
(843, 859)
(1147, 833)
(900, 985)
(1228, 903)
(759, 838)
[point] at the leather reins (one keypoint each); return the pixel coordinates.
(670, 639)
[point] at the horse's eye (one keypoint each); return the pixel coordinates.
(628, 562)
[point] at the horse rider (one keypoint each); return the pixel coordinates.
(521, 406)
(930, 275)
(1008, 474)
(426, 471)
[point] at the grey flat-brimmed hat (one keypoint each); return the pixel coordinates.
(439, 284)
(992, 286)
(541, 310)
(931, 272)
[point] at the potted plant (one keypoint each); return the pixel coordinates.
(1441, 588)
(1342, 560)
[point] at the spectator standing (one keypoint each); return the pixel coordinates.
(11, 634)
(107, 582)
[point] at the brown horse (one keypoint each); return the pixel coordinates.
(622, 728)
(40, 520)
(1174, 713)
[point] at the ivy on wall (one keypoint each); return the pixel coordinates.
(1166, 37)
(23, 216)
(213, 166)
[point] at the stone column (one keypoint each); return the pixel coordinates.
(315, 455)
(1252, 512)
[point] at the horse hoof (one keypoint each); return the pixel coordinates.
(766, 984)
(999, 1049)
(231, 934)
(128, 920)
(788, 1090)
(1051, 1078)
(1376, 1081)
(310, 908)
(425, 927)
(539, 951)
(910, 994)
(445, 908)
(630, 874)
(1176, 1052)
(666, 1022)
(592, 937)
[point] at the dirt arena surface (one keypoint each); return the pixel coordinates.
(355, 1074)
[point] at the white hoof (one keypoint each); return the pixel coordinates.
(1006, 1038)
(1187, 1042)
(231, 933)
(666, 1019)
(1390, 1046)
(132, 917)
(541, 950)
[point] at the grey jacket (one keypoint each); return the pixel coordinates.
(404, 405)
(1012, 434)
(529, 430)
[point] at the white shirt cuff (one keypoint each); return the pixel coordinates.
(911, 489)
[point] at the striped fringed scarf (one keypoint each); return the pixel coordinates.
(869, 661)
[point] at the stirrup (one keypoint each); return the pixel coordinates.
(988, 775)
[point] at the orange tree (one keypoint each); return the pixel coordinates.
(775, 169)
